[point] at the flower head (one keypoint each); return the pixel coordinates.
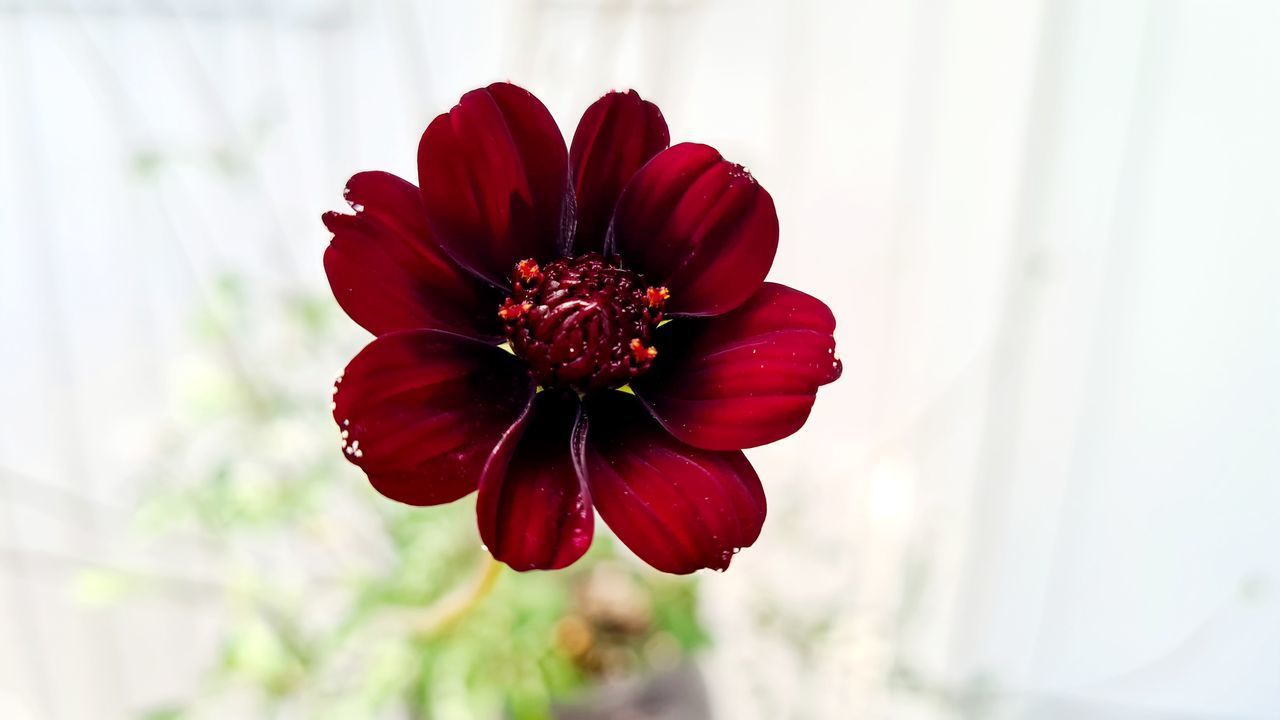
(643, 348)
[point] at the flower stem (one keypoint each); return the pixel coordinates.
(455, 606)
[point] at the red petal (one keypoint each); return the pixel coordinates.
(533, 511)
(423, 410)
(678, 507)
(389, 274)
(700, 225)
(616, 136)
(745, 378)
(494, 176)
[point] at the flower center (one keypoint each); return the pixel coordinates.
(582, 323)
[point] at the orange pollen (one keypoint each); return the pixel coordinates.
(642, 353)
(528, 269)
(580, 322)
(511, 310)
(656, 296)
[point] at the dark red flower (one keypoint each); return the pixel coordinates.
(568, 329)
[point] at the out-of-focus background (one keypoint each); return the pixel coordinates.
(1047, 486)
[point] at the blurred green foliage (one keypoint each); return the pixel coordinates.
(338, 603)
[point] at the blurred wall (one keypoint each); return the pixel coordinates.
(1044, 488)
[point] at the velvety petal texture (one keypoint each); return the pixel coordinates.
(533, 511)
(698, 224)
(578, 257)
(388, 273)
(678, 507)
(616, 136)
(422, 410)
(745, 378)
(494, 177)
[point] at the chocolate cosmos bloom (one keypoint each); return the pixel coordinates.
(564, 330)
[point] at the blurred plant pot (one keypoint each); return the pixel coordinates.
(676, 694)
